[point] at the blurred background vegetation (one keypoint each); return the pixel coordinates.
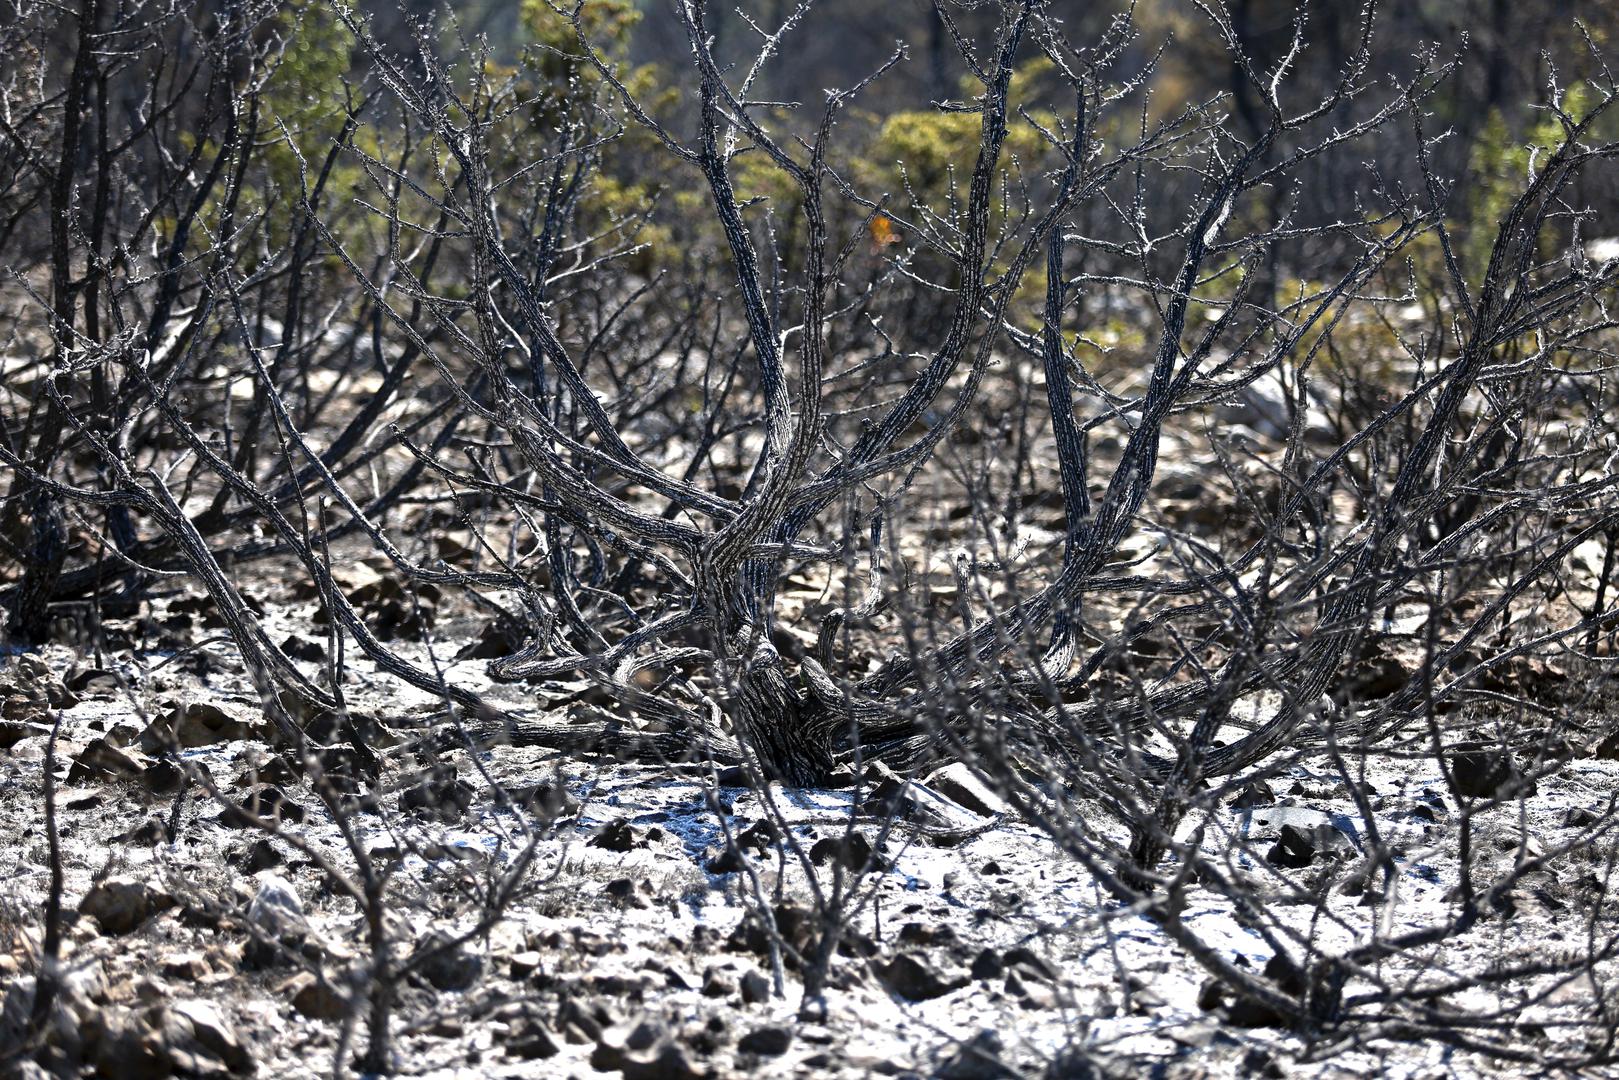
(1485, 121)
(322, 132)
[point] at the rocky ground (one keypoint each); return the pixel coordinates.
(627, 939)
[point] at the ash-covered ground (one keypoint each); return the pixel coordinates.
(613, 911)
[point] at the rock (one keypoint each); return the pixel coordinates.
(198, 724)
(957, 783)
(889, 795)
(1267, 822)
(93, 682)
(101, 760)
(210, 1028)
(189, 966)
(771, 1041)
(549, 800)
(852, 851)
(71, 798)
(1029, 993)
(1253, 794)
(667, 1062)
(398, 617)
(316, 998)
(75, 1005)
(580, 1023)
(13, 732)
(1379, 672)
(261, 855)
(625, 893)
(755, 988)
(643, 1036)
(1296, 847)
(30, 686)
(616, 835)
(531, 1040)
(1030, 962)
(1243, 1011)
(190, 1038)
(524, 964)
(792, 922)
(979, 1058)
(162, 777)
(306, 649)
(761, 836)
(267, 803)
(919, 933)
(149, 833)
(445, 965)
(1238, 1011)
(262, 768)
(1420, 812)
(610, 1052)
(440, 795)
(1606, 748)
(717, 983)
(728, 860)
(913, 977)
(735, 776)
(276, 908)
(119, 905)
(498, 638)
(1260, 1062)
(987, 965)
(1143, 999)
(1481, 771)
(1576, 817)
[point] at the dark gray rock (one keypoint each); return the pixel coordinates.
(531, 1040)
(755, 988)
(119, 905)
(914, 977)
(979, 1058)
(771, 1041)
(447, 966)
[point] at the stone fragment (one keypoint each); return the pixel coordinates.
(852, 851)
(316, 998)
(523, 964)
(755, 988)
(119, 905)
(149, 833)
(913, 977)
(667, 1062)
(447, 965)
(275, 907)
(717, 983)
(979, 1058)
(771, 1041)
(187, 966)
(957, 783)
(439, 795)
(1481, 771)
(198, 723)
(102, 760)
(267, 803)
(531, 1040)
(261, 855)
(616, 835)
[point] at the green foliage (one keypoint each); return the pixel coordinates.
(305, 93)
(555, 60)
(1501, 165)
(926, 146)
